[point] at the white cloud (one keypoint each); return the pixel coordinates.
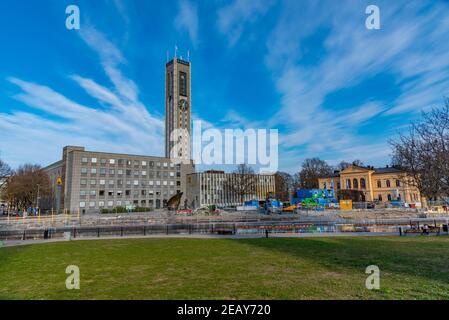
(410, 45)
(233, 17)
(123, 125)
(187, 20)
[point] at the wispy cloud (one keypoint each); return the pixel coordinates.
(187, 20)
(233, 17)
(124, 124)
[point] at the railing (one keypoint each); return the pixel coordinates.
(337, 225)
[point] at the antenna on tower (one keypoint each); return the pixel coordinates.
(188, 55)
(168, 56)
(176, 51)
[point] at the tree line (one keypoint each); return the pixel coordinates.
(28, 186)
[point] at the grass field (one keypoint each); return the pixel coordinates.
(288, 268)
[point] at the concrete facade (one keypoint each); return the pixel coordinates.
(209, 188)
(178, 110)
(92, 181)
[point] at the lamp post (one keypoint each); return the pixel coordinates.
(37, 202)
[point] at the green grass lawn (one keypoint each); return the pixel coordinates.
(289, 268)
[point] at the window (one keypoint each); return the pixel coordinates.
(388, 184)
(84, 160)
(380, 197)
(111, 182)
(102, 182)
(82, 204)
(102, 171)
(151, 183)
(93, 182)
(379, 184)
(172, 174)
(165, 164)
(111, 172)
(93, 160)
(83, 182)
(128, 162)
(183, 84)
(389, 196)
(120, 162)
(348, 183)
(82, 193)
(92, 204)
(172, 183)
(101, 204)
(110, 203)
(120, 172)
(93, 192)
(111, 161)
(119, 193)
(103, 161)
(93, 171)
(144, 173)
(111, 193)
(136, 182)
(363, 183)
(127, 192)
(136, 163)
(355, 182)
(101, 193)
(144, 163)
(83, 170)
(398, 183)
(119, 203)
(143, 192)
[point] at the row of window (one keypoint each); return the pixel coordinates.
(119, 193)
(135, 183)
(354, 184)
(123, 162)
(118, 203)
(120, 172)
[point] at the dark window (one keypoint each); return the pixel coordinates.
(379, 184)
(389, 197)
(398, 183)
(388, 184)
(380, 197)
(363, 183)
(183, 84)
(355, 182)
(348, 183)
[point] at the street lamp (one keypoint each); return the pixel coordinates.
(37, 198)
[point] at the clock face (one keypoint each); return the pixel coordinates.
(183, 105)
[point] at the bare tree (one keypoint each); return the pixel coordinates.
(5, 173)
(284, 185)
(242, 182)
(25, 186)
(344, 164)
(311, 171)
(423, 153)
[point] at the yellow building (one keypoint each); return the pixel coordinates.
(374, 184)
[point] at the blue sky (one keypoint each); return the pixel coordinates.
(311, 69)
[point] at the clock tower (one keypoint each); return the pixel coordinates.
(177, 110)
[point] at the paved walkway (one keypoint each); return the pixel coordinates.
(14, 243)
